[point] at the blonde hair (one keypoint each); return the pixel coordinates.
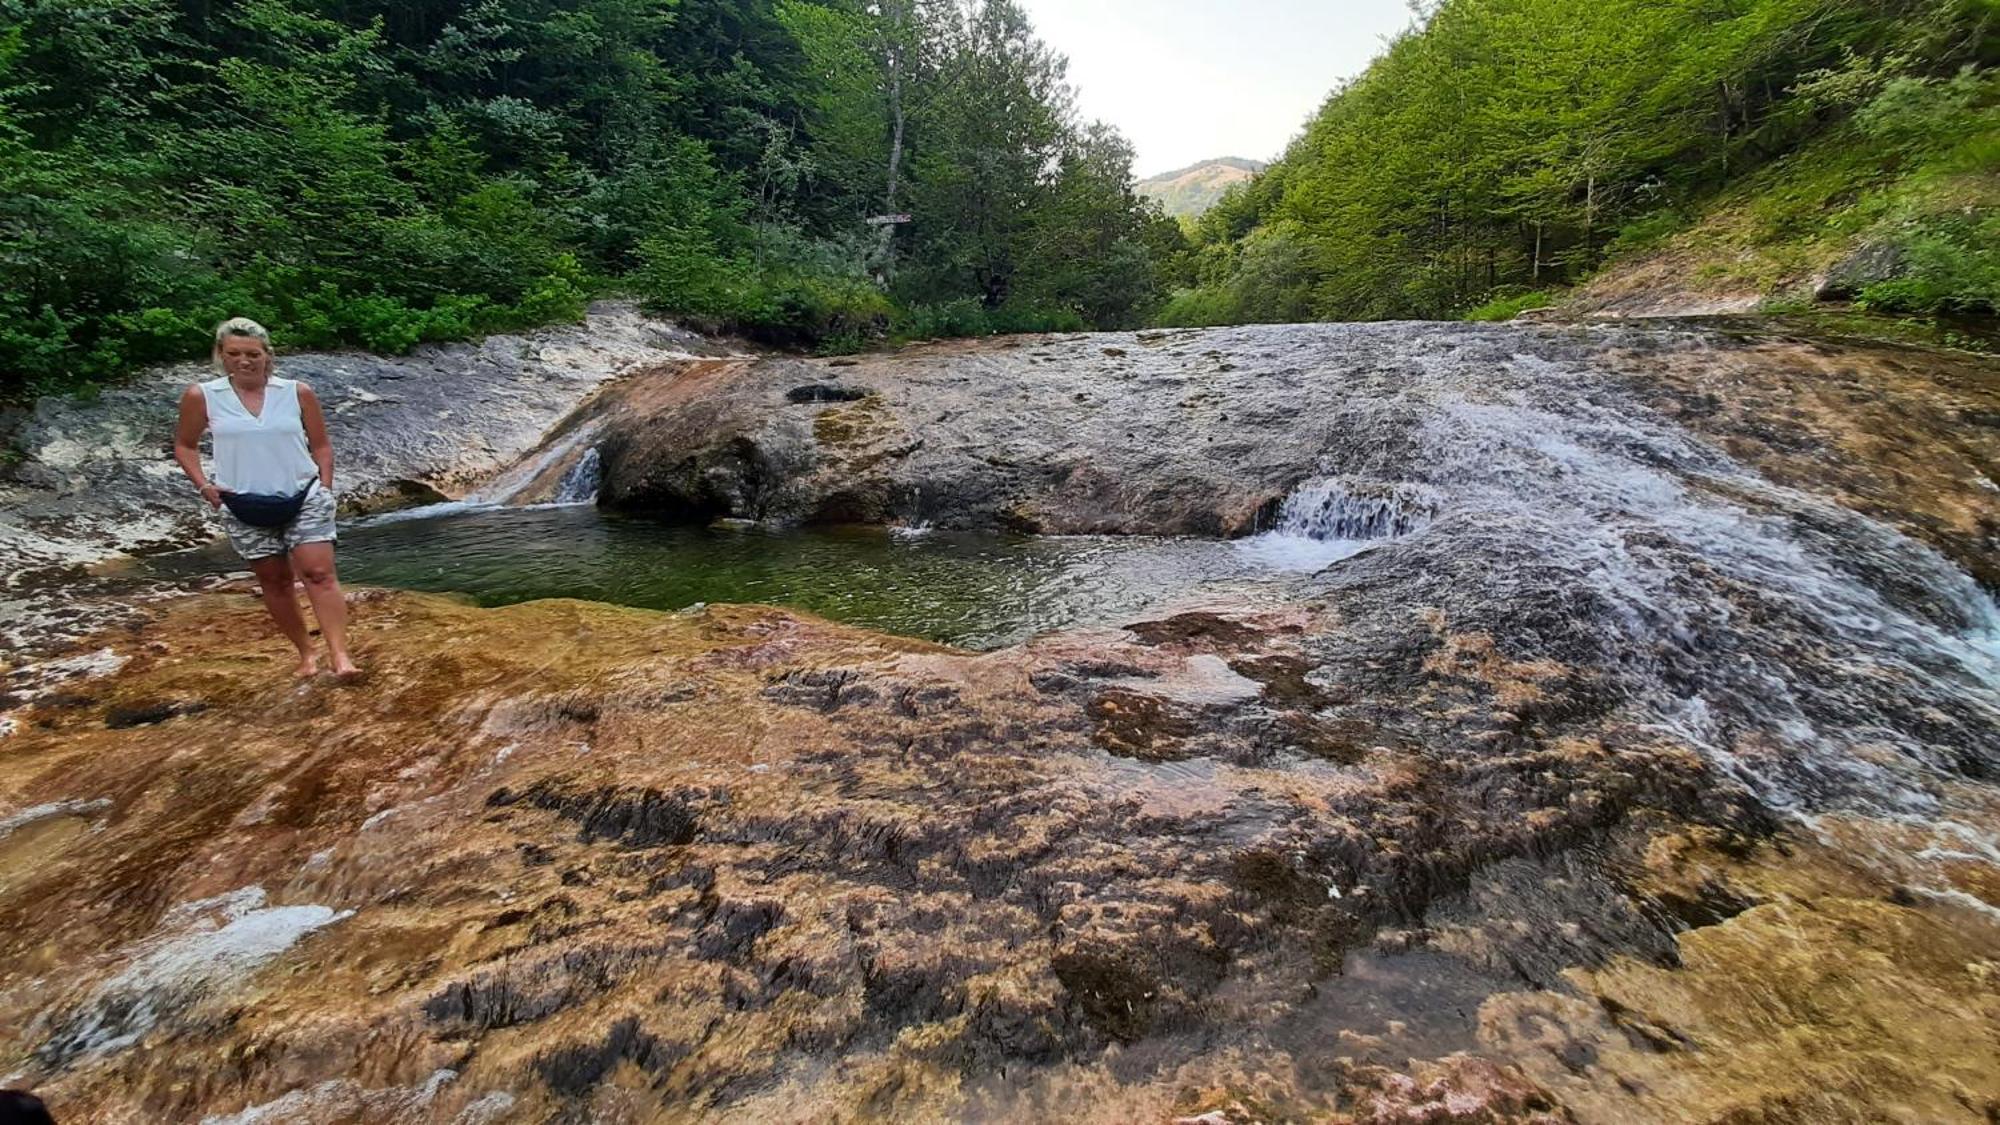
(240, 327)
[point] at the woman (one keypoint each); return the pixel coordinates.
(273, 463)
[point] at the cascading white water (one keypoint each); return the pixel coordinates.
(579, 484)
(1324, 521)
(508, 486)
(1338, 509)
(1821, 658)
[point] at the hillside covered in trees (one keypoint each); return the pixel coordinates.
(1506, 148)
(1191, 190)
(365, 173)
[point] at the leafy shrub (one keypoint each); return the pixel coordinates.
(797, 309)
(1009, 319)
(1274, 277)
(1952, 265)
(1510, 303)
(1198, 308)
(1646, 231)
(683, 273)
(1930, 114)
(967, 318)
(557, 297)
(942, 320)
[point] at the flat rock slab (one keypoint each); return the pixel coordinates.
(565, 861)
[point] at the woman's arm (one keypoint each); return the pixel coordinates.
(317, 441)
(187, 443)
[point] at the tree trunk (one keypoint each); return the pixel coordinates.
(1589, 216)
(1722, 99)
(885, 254)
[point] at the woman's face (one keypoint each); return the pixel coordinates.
(244, 357)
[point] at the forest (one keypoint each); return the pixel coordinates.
(1505, 148)
(373, 174)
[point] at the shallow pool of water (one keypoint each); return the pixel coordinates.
(979, 590)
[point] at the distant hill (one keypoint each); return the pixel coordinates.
(1194, 189)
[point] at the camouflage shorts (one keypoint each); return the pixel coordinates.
(313, 524)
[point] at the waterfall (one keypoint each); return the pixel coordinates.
(1324, 521)
(511, 486)
(579, 484)
(524, 480)
(1334, 509)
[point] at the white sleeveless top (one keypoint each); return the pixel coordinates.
(255, 453)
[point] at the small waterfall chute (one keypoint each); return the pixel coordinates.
(1324, 521)
(579, 485)
(1337, 509)
(530, 478)
(522, 483)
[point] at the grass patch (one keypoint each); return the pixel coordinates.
(1508, 306)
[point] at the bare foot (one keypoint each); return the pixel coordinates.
(308, 668)
(347, 672)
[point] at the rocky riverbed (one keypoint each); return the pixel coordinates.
(1642, 769)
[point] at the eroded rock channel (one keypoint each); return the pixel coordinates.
(1643, 769)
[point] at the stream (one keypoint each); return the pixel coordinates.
(979, 590)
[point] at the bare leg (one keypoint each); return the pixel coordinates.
(274, 580)
(314, 563)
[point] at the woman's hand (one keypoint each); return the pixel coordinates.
(212, 494)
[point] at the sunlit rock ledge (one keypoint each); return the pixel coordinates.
(565, 861)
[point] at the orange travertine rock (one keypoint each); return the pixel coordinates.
(563, 861)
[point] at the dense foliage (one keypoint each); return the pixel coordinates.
(376, 174)
(1504, 147)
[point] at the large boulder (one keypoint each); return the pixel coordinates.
(1205, 432)
(1868, 264)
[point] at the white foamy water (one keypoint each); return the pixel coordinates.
(202, 948)
(31, 681)
(510, 484)
(577, 486)
(1817, 656)
(24, 817)
(1297, 554)
(1326, 520)
(343, 1099)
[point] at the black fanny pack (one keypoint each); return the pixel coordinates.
(264, 509)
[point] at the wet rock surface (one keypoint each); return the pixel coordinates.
(1204, 431)
(1644, 770)
(568, 862)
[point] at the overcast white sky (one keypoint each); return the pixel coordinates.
(1186, 80)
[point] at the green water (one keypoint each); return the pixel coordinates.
(976, 590)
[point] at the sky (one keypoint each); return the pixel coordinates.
(1188, 80)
